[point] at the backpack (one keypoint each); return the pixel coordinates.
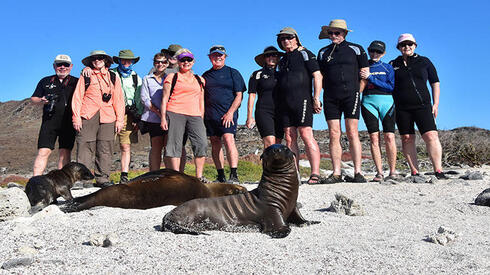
(112, 75)
(174, 81)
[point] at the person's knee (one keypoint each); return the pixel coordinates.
(406, 139)
(374, 139)
(125, 147)
(352, 134)
(44, 152)
(430, 136)
(389, 138)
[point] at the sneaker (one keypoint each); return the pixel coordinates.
(233, 179)
(220, 179)
(103, 184)
(204, 180)
(358, 178)
(124, 179)
(332, 179)
(441, 176)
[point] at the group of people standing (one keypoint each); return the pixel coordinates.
(174, 105)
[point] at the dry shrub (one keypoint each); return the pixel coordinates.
(466, 145)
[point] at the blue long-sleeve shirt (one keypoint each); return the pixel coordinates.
(381, 80)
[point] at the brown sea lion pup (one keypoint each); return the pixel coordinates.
(154, 189)
(44, 190)
(268, 208)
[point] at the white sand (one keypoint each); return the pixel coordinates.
(388, 240)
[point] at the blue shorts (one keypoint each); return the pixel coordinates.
(215, 128)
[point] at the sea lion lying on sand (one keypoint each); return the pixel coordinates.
(44, 190)
(268, 208)
(483, 198)
(153, 189)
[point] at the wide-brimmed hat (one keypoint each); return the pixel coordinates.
(405, 37)
(287, 30)
(377, 45)
(260, 59)
(88, 62)
(171, 50)
(336, 23)
(126, 54)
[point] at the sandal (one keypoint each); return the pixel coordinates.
(314, 179)
(378, 178)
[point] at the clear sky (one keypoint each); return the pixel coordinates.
(453, 34)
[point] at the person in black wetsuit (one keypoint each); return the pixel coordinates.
(413, 103)
(341, 63)
(54, 93)
(298, 68)
(263, 82)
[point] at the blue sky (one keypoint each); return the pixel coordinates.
(454, 35)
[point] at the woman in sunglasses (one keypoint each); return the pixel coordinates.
(377, 104)
(182, 112)
(151, 97)
(413, 103)
(263, 83)
(98, 112)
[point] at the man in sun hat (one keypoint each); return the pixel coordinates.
(54, 93)
(169, 53)
(131, 86)
(297, 70)
(223, 93)
(341, 63)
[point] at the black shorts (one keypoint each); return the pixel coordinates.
(215, 128)
(423, 117)
(378, 107)
(350, 106)
(153, 128)
(48, 134)
(300, 115)
(268, 123)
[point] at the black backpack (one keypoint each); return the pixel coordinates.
(112, 75)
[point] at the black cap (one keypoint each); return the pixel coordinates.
(377, 45)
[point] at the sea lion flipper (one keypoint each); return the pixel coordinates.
(297, 219)
(274, 225)
(66, 193)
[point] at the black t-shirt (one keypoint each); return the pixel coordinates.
(63, 92)
(411, 90)
(340, 65)
(263, 82)
(295, 76)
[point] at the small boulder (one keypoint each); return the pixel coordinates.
(13, 203)
(475, 175)
(17, 262)
(102, 240)
(443, 236)
(346, 206)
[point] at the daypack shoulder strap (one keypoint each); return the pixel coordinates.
(113, 77)
(174, 81)
(135, 81)
(87, 81)
(199, 80)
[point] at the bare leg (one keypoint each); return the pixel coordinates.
(173, 162)
(291, 136)
(41, 161)
(156, 153)
(334, 146)
(268, 141)
(231, 150)
(434, 149)
(183, 159)
(125, 156)
(410, 152)
(376, 152)
(311, 148)
(390, 145)
(217, 152)
(351, 126)
(199, 162)
(64, 158)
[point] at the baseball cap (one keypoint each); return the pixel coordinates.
(377, 45)
(62, 58)
(217, 49)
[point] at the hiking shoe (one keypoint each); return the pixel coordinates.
(314, 179)
(332, 179)
(358, 178)
(220, 179)
(441, 176)
(204, 180)
(395, 177)
(103, 184)
(123, 180)
(233, 179)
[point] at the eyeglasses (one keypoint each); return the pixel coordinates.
(164, 62)
(375, 51)
(271, 55)
(404, 44)
(286, 37)
(98, 57)
(332, 33)
(64, 64)
(186, 59)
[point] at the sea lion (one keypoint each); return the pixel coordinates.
(153, 189)
(483, 198)
(44, 190)
(268, 208)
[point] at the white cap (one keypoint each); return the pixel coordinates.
(62, 58)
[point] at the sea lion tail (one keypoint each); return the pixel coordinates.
(170, 226)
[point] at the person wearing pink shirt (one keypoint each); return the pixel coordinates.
(98, 113)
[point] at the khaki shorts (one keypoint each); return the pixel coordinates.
(128, 135)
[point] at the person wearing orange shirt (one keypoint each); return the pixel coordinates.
(98, 113)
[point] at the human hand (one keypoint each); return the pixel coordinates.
(77, 126)
(317, 106)
(119, 126)
(164, 124)
(87, 71)
(227, 120)
(250, 122)
(435, 110)
(364, 74)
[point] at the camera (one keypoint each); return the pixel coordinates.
(51, 106)
(106, 97)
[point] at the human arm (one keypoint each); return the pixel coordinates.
(87, 72)
(227, 118)
(317, 89)
(436, 91)
(76, 104)
(250, 106)
(118, 104)
(165, 96)
(39, 100)
(363, 82)
(385, 83)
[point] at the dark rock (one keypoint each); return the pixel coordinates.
(483, 198)
(475, 175)
(17, 262)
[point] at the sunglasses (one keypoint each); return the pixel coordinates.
(375, 51)
(164, 62)
(64, 64)
(185, 59)
(286, 37)
(335, 32)
(217, 48)
(98, 57)
(404, 44)
(271, 55)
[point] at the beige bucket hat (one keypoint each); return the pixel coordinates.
(87, 60)
(287, 30)
(336, 23)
